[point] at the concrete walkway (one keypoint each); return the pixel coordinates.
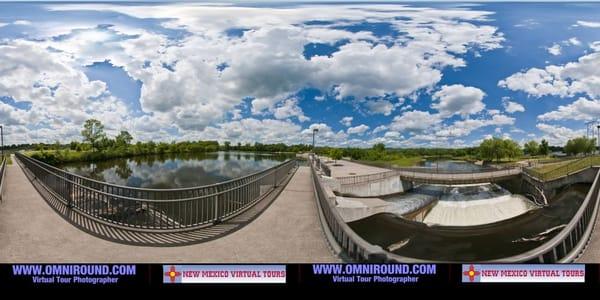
(591, 254)
(345, 168)
(287, 231)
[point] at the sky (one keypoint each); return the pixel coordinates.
(404, 74)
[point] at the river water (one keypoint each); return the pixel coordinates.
(176, 170)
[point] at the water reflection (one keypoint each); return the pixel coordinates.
(176, 170)
(451, 165)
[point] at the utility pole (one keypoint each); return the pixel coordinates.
(2, 140)
(598, 139)
(314, 132)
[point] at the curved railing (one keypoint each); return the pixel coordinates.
(2, 171)
(163, 210)
(564, 247)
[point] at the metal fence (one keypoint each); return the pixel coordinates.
(2, 171)
(416, 174)
(157, 209)
(574, 166)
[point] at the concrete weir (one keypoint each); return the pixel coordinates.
(386, 186)
(357, 198)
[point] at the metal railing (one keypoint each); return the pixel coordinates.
(565, 170)
(322, 166)
(353, 246)
(434, 169)
(415, 174)
(571, 241)
(2, 171)
(163, 210)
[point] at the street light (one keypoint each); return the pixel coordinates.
(598, 141)
(2, 141)
(315, 130)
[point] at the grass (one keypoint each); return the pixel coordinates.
(547, 167)
(399, 162)
(564, 168)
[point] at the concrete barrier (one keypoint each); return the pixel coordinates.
(386, 186)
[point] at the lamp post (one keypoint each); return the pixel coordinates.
(598, 140)
(2, 141)
(314, 132)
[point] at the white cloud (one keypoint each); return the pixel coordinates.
(528, 23)
(558, 135)
(590, 24)
(511, 106)
(554, 50)
(581, 109)
(458, 99)
(573, 42)
(346, 121)
(465, 127)
(360, 129)
(595, 46)
(582, 76)
(289, 108)
(415, 120)
(379, 128)
(184, 91)
(383, 107)
(22, 22)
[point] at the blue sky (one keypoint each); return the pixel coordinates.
(406, 74)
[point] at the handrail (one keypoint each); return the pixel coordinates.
(353, 246)
(564, 170)
(564, 247)
(157, 210)
(2, 171)
(416, 174)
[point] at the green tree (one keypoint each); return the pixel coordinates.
(123, 139)
(544, 148)
(532, 148)
(580, 145)
(380, 147)
(335, 154)
(227, 146)
(93, 132)
(498, 148)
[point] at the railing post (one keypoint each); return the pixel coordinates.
(217, 219)
(69, 191)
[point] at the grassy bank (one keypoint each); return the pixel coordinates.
(398, 162)
(556, 170)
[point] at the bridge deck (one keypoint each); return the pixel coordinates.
(591, 254)
(287, 231)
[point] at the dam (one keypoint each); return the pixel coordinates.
(505, 217)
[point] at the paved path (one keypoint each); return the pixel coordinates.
(344, 168)
(287, 231)
(591, 254)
